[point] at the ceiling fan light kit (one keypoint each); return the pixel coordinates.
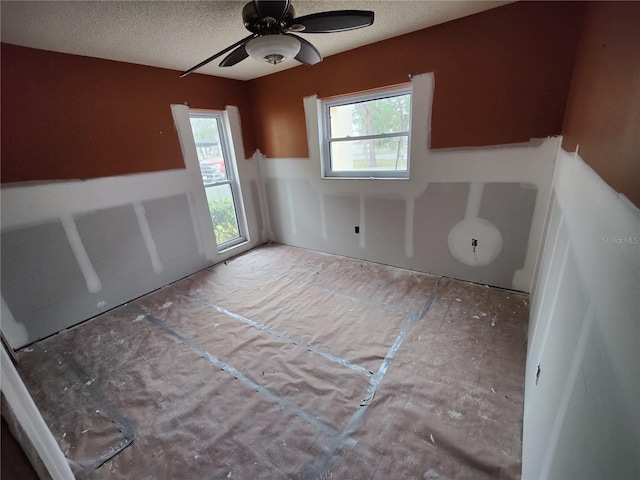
(273, 49)
(271, 23)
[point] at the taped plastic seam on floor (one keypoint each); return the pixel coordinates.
(324, 461)
(287, 405)
(326, 288)
(377, 377)
(277, 333)
(109, 409)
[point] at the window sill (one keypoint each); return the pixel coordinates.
(233, 246)
(336, 177)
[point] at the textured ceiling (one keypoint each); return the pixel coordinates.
(178, 35)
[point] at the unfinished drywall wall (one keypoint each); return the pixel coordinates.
(68, 117)
(71, 250)
(409, 223)
(503, 78)
(581, 418)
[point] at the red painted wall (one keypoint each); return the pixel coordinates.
(502, 76)
(73, 117)
(603, 110)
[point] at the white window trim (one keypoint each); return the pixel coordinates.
(325, 140)
(231, 170)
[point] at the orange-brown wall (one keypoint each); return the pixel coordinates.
(603, 110)
(501, 76)
(73, 117)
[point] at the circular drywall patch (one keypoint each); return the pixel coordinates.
(487, 236)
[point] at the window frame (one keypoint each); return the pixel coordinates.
(326, 140)
(231, 180)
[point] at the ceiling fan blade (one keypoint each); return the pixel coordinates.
(220, 53)
(308, 54)
(275, 9)
(336, 21)
(234, 57)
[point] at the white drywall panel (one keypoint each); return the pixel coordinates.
(440, 207)
(172, 231)
(27, 204)
(540, 323)
(304, 209)
(281, 227)
(342, 214)
(256, 208)
(556, 356)
(591, 445)
(410, 227)
(41, 281)
(73, 249)
(552, 237)
(508, 209)
(581, 418)
(385, 232)
(312, 213)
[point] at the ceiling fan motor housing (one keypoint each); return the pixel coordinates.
(265, 21)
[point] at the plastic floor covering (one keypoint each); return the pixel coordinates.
(287, 363)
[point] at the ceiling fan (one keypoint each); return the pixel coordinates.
(271, 23)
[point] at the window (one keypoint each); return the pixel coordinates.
(367, 136)
(218, 177)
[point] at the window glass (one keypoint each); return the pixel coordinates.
(377, 154)
(368, 135)
(372, 117)
(206, 133)
(220, 185)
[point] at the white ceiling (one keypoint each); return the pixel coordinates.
(178, 35)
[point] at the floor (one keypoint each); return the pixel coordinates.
(287, 363)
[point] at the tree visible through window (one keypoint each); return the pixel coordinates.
(368, 135)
